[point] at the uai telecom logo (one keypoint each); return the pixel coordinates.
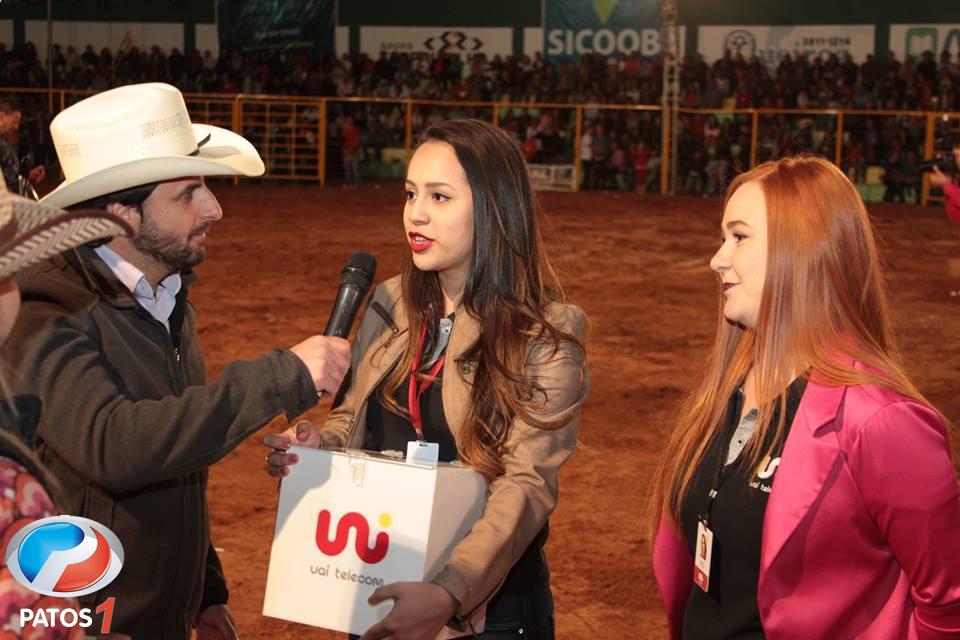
(64, 556)
(361, 531)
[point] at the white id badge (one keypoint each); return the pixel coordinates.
(703, 553)
(423, 453)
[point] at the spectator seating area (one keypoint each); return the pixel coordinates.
(618, 147)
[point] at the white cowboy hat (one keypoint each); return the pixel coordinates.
(31, 231)
(135, 135)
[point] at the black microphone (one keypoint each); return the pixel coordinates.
(355, 281)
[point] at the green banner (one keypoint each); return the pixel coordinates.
(285, 25)
(608, 27)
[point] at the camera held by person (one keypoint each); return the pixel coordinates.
(944, 162)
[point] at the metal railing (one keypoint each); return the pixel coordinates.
(877, 149)
(299, 138)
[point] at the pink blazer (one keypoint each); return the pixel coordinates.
(861, 536)
(952, 193)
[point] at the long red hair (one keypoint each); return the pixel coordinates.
(824, 305)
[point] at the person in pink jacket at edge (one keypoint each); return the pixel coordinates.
(807, 490)
(30, 232)
(950, 183)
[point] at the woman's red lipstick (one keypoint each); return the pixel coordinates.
(419, 242)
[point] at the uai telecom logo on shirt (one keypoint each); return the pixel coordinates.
(64, 556)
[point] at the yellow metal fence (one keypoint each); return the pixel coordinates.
(299, 138)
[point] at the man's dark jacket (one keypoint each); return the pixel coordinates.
(129, 427)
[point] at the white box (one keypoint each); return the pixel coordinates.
(408, 518)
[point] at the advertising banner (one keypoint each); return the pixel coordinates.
(914, 39)
(6, 33)
(608, 27)
(112, 35)
(771, 43)
(460, 40)
(252, 25)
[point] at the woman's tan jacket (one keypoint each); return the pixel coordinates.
(520, 501)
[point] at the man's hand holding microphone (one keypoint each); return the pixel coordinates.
(327, 357)
(328, 360)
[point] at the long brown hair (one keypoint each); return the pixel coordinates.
(508, 289)
(824, 306)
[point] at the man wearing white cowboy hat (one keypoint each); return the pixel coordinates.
(108, 339)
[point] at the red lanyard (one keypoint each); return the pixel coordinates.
(418, 388)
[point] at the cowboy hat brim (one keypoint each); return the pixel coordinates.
(40, 232)
(225, 154)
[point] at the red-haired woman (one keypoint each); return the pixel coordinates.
(472, 347)
(807, 473)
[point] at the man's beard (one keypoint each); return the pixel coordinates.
(169, 249)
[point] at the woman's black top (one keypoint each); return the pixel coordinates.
(389, 431)
(730, 608)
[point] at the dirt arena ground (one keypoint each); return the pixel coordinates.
(638, 267)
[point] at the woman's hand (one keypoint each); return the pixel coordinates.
(938, 178)
(37, 175)
(303, 434)
(420, 611)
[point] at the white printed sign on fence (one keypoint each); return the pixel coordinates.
(770, 43)
(914, 39)
(454, 40)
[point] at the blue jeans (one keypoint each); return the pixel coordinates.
(524, 616)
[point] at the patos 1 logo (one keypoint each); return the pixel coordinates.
(370, 554)
(65, 556)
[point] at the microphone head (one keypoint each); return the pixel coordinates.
(359, 271)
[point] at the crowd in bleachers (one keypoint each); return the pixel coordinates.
(619, 148)
(835, 82)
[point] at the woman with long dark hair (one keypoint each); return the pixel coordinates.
(473, 347)
(807, 489)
